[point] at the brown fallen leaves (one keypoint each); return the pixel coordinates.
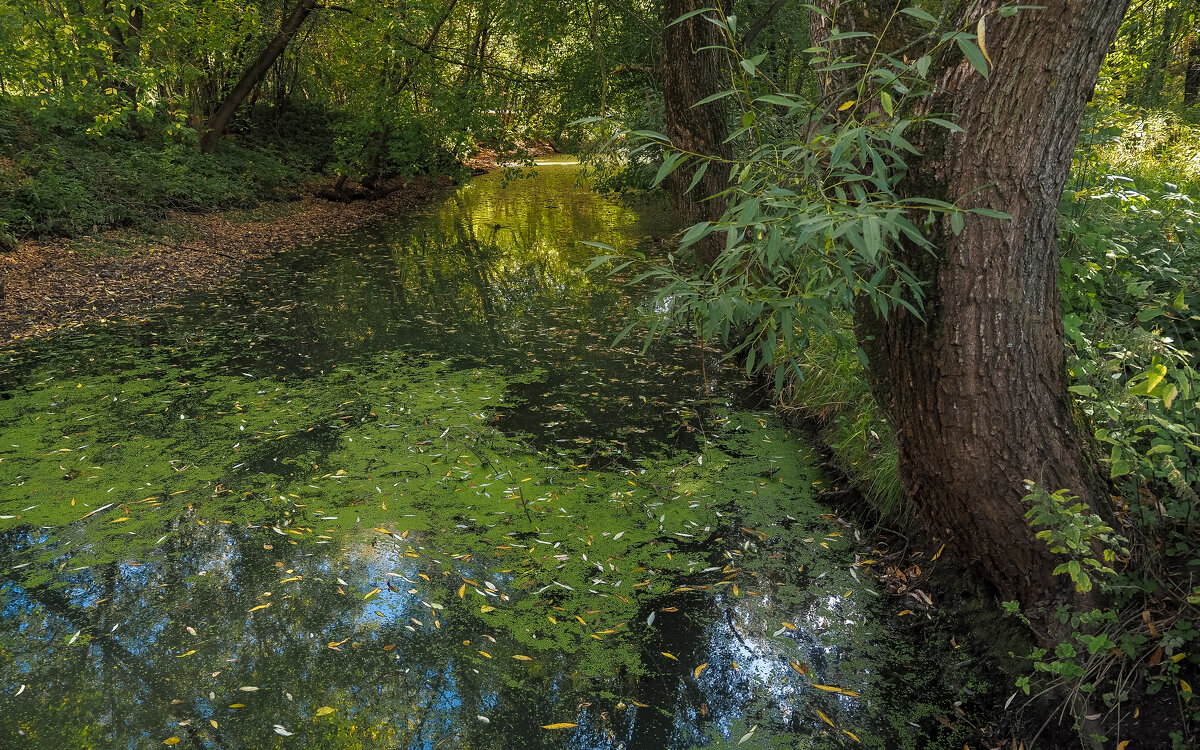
(51, 284)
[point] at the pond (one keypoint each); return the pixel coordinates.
(400, 489)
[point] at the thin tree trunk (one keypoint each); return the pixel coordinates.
(220, 119)
(977, 391)
(760, 24)
(1191, 79)
(692, 69)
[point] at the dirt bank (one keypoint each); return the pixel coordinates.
(48, 285)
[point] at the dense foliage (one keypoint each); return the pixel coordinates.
(102, 105)
(808, 234)
(103, 108)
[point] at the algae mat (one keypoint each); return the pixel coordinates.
(401, 490)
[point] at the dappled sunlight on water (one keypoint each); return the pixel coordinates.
(401, 490)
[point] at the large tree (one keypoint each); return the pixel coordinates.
(923, 134)
(976, 390)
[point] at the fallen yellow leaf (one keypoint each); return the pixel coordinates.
(171, 741)
(826, 719)
(522, 657)
(325, 711)
(669, 656)
(560, 725)
(696, 672)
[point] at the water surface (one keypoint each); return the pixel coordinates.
(401, 490)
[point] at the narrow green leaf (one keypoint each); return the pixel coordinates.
(919, 14)
(972, 52)
(713, 98)
(688, 15)
(669, 165)
(697, 176)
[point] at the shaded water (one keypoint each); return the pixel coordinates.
(400, 490)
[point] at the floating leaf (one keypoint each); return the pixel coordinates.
(560, 725)
(832, 689)
(854, 736)
(171, 741)
(748, 735)
(669, 656)
(325, 711)
(214, 723)
(522, 657)
(486, 608)
(282, 732)
(247, 688)
(826, 719)
(185, 653)
(373, 592)
(462, 591)
(696, 672)
(261, 606)
(801, 668)
(981, 34)
(788, 625)
(485, 654)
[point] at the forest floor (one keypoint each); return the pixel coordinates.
(49, 284)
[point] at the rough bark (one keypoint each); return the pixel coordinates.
(1191, 78)
(692, 70)
(216, 125)
(976, 391)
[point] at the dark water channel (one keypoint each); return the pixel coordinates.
(400, 490)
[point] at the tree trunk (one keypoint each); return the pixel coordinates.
(220, 119)
(977, 391)
(691, 71)
(1191, 78)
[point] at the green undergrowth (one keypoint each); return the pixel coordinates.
(55, 180)
(1131, 290)
(834, 394)
(60, 179)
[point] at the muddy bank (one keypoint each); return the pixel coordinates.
(47, 285)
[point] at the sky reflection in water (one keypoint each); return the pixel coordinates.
(399, 490)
